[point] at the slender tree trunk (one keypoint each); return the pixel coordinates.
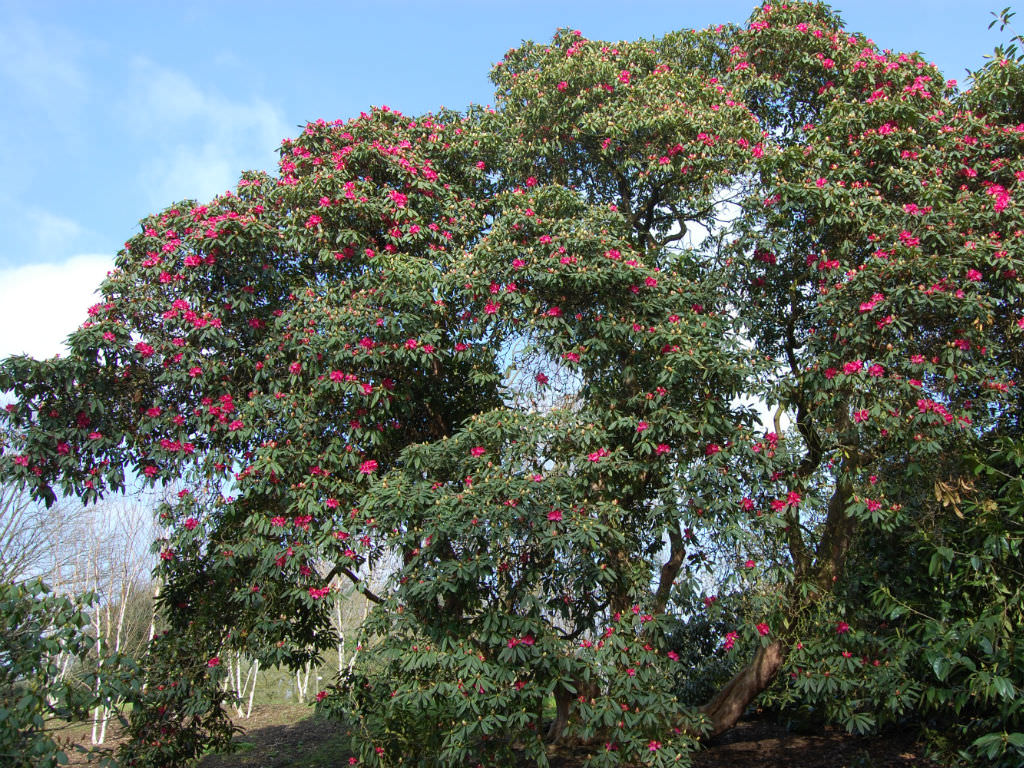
(252, 688)
(302, 682)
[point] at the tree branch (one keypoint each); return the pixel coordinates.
(359, 583)
(670, 569)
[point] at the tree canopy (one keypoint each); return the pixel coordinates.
(720, 329)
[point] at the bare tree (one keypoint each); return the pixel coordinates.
(29, 537)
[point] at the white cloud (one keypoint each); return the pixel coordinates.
(199, 141)
(41, 304)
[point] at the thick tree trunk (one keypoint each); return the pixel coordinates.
(563, 700)
(729, 703)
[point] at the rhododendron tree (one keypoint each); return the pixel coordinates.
(507, 371)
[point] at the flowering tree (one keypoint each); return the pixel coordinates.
(512, 365)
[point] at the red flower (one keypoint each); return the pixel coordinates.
(214, 662)
(368, 467)
(763, 629)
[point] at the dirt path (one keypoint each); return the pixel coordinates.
(290, 737)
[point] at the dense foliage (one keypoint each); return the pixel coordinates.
(36, 628)
(507, 370)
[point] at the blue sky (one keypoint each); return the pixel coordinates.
(113, 110)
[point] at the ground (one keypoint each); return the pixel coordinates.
(288, 736)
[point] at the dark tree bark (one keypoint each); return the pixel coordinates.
(728, 705)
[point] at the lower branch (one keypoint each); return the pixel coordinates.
(728, 705)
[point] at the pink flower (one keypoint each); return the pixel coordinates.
(973, 275)
(641, 426)
(214, 662)
(712, 449)
(541, 379)
(191, 523)
(624, 76)
(491, 308)
(654, 746)
(478, 451)
(842, 628)
(876, 370)
(749, 564)
(673, 655)
(295, 367)
(562, 85)
(852, 367)
(368, 467)
(859, 416)
(763, 629)
(730, 640)
(555, 515)
(662, 448)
